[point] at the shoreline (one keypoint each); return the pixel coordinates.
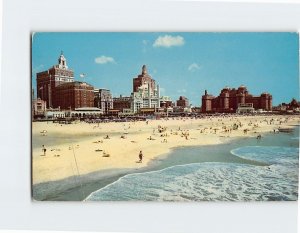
(100, 179)
(67, 188)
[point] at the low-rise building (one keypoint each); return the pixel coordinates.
(182, 102)
(245, 108)
(38, 107)
(166, 102)
(122, 102)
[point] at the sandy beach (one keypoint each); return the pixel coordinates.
(83, 148)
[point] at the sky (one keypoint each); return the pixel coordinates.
(183, 64)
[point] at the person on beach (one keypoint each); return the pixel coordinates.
(141, 156)
(44, 150)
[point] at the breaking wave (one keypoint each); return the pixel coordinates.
(214, 181)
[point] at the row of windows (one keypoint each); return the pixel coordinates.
(64, 79)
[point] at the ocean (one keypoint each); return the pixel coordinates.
(249, 170)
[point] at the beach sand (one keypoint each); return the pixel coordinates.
(80, 148)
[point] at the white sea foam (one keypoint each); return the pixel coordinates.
(214, 181)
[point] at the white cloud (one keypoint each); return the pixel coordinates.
(193, 67)
(182, 91)
(104, 59)
(169, 41)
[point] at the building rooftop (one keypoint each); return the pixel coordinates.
(74, 83)
(88, 109)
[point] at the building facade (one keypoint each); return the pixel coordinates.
(122, 102)
(38, 107)
(73, 95)
(145, 93)
(166, 102)
(48, 80)
(103, 100)
(143, 78)
(182, 102)
(230, 99)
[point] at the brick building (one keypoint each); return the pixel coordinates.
(230, 99)
(122, 102)
(182, 102)
(48, 80)
(142, 79)
(74, 95)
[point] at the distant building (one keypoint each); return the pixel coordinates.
(196, 109)
(182, 102)
(55, 113)
(293, 106)
(143, 78)
(74, 95)
(121, 103)
(85, 112)
(245, 108)
(230, 99)
(145, 93)
(166, 102)
(38, 107)
(103, 100)
(48, 80)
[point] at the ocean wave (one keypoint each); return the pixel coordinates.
(269, 154)
(213, 181)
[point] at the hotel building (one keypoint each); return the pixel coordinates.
(48, 80)
(57, 87)
(74, 95)
(233, 100)
(145, 96)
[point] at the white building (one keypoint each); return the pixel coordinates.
(245, 108)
